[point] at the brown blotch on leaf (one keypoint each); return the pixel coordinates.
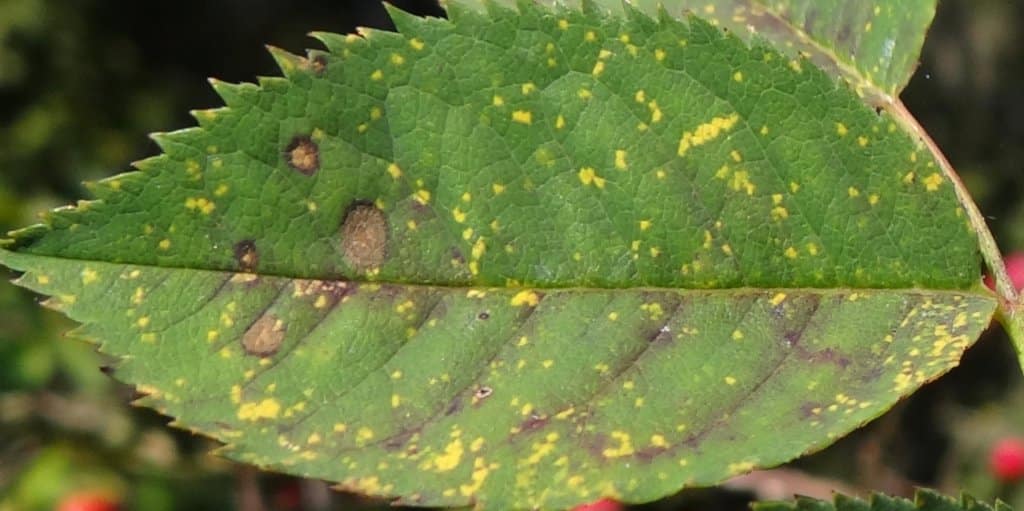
(457, 256)
(533, 422)
(246, 255)
(264, 337)
(303, 155)
(454, 407)
(364, 236)
(482, 393)
(319, 64)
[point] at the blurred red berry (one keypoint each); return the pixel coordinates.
(88, 501)
(288, 496)
(1007, 459)
(601, 505)
(1014, 267)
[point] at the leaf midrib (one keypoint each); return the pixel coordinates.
(825, 291)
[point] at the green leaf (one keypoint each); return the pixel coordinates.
(874, 45)
(523, 260)
(924, 500)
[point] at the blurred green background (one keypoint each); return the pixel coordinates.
(83, 81)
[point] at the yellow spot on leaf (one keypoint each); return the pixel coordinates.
(480, 472)
(932, 182)
(89, 276)
(422, 196)
(459, 215)
(645, 224)
(729, 380)
(841, 129)
(741, 467)
(202, 204)
(598, 68)
(479, 248)
(589, 176)
(165, 244)
(416, 44)
(620, 159)
(377, 75)
(395, 171)
(624, 447)
(526, 297)
(365, 434)
(267, 409)
(522, 116)
(737, 76)
(791, 253)
(741, 182)
(706, 132)
(656, 114)
(780, 213)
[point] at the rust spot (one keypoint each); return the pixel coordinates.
(364, 236)
(246, 255)
(303, 155)
(264, 337)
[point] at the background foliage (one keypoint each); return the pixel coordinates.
(83, 81)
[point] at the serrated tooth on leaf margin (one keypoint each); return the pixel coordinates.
(457, 11)
(289, 63)
(273, 82)
(109, 186)
(232, 94)
(177, 141)
(335, 43)
(206, 116)
(405, 22)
